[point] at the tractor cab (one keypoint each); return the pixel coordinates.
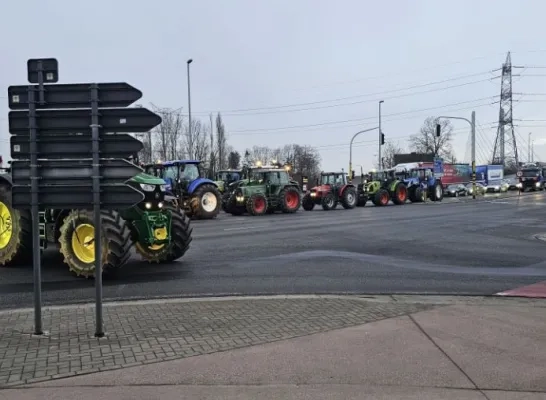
(179, 174)
(154, 170)
(333, 178)
(386, 177)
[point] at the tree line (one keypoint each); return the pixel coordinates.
(207, 141)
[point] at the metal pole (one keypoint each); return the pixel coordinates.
(351, 148)
(95, 137)
(34, 210)
(189, 102)
(529, 148)
(473, 133)
(379, 163)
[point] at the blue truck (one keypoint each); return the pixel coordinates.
(491, 176)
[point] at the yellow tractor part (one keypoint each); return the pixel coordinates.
(151, 253)
(83, 243)
(6, 226)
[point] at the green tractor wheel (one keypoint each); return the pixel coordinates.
(78, 243)
(15, 231)
(180, 239)
(381, 198)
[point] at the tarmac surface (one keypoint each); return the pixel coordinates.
(458, 246)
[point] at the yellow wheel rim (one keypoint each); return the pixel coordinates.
(6, 226)
(159, 234)
(83, 243)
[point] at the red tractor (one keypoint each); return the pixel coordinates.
(332, 189)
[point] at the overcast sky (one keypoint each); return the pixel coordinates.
(262, 55)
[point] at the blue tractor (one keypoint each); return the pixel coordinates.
(422, 183)
(198, 196)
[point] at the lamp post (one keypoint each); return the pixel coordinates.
(189, 98)
(379, 161)
(529, 148)
(351, 148)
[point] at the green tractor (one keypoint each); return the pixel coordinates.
(382, 187)
(263, 191)
(160, 231)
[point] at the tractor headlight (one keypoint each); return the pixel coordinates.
(537, 184)
(239, 196)
(148, 205)
(163, 188)
(147, 188)
(313, 194)
(160, 205)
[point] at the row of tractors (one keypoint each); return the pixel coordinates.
(159, 227)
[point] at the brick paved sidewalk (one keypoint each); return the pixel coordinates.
(151, 332)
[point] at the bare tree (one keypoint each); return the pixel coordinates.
(201, 146)
(212, 157)
(234, 159)
(389, 151)
(167, 138)
(221, 142)
(426, 141)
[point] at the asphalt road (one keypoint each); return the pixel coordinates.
(454, 247)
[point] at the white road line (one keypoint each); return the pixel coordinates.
(242, 228)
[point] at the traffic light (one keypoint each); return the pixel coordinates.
(382, 139)
(352, 174)
(438, 130)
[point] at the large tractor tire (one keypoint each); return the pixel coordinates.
(256, 204)
(328, 202)
(225, 200)
(348, 198)
(381, 198)
(290, 200)
(205, 202)
(437, 192)
(77, 241)
(416, 194)
(400, 194)
(307, 203)
(15, 231)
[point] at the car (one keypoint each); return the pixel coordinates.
(480, 189)
(456, 190)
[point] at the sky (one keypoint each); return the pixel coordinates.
(309, 72)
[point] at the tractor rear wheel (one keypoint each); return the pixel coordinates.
(15, 231)
(381, 198)
(348, 198)
(400, 194)
(328, 202)
(290, 200)
(307, 203)
(78, 247)
(437, 193)
(256, 204)
(205, 202)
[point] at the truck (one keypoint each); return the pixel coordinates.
(531, 177)
(490, 176)
(456, 174)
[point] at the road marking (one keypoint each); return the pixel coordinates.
(242, 228)
(537, 290)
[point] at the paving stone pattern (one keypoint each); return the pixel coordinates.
(154, 332)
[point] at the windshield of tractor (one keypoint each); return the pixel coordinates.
(530, 172)
(331, 179)
(170, 172)
(228, 176)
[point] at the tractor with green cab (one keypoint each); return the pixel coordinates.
(160, 231)
(263, 191)
(382, 187)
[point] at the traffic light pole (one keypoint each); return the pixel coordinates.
(472, 123)
(351, 149)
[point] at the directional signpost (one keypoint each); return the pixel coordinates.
(66, 156)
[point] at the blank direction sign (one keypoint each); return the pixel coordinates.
(68, 172)
(116, 196)
(110, 145)
(77, 95)
(49, 122)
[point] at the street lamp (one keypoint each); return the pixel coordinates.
(472, 123)
(189, 97)
(529, 148)
(351, 148)
(379, 161)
